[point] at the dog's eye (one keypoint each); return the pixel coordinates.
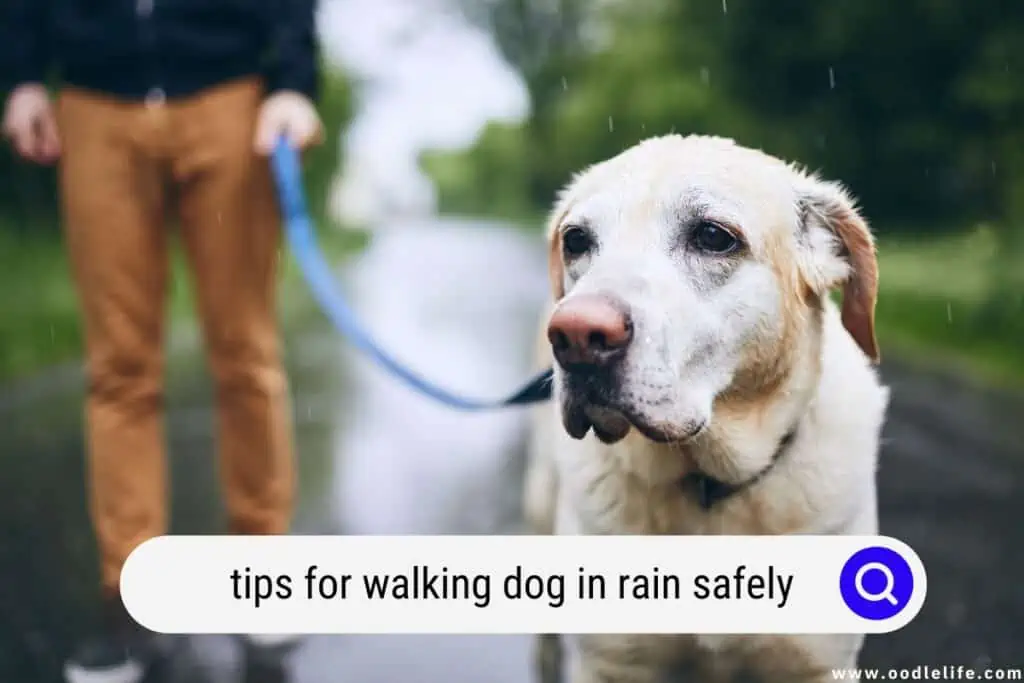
(714, 239)
(576, 242)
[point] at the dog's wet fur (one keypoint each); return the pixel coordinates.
(721, 259)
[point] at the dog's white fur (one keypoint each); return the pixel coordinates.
(749, 344)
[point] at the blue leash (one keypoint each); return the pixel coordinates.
(318, 275)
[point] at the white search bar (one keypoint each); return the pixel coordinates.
(524, 584)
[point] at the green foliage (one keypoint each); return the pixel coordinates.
(489, 179)
(917, 106)
(936, 299)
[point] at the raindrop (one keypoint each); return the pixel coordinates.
(949, 312)
(831, 78)
(53, 335)
(220, 217)
(705, 75)
(993, 167)
(725, 7)
(611, 124)
(565, 83)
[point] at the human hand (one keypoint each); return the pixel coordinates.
(290, 114)
(30, 125)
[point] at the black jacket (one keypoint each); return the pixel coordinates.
(135, 48)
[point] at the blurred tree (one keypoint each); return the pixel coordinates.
(863, 87)
(918, 105)
(909, 102)
(991, 91)
(544, 40)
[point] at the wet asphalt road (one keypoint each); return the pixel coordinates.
(376, 459)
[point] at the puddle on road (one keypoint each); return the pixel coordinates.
(459, 303)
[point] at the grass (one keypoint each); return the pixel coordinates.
(38, 309)
(39, 321)
(936, 305)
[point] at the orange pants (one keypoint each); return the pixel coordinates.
(125, 167)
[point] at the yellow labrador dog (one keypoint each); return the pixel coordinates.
(705, 383)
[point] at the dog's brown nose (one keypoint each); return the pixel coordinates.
(589, 330)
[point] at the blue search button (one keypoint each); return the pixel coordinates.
(876, 583)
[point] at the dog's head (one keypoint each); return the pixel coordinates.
(687, 268)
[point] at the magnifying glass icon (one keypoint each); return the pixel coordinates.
(876, 596)
(876, 583)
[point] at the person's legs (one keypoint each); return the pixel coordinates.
(113, 198)
(230, 229)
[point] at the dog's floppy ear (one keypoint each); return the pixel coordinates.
(556, 268)
(839, 249)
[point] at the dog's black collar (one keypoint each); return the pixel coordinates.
(711, 491)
